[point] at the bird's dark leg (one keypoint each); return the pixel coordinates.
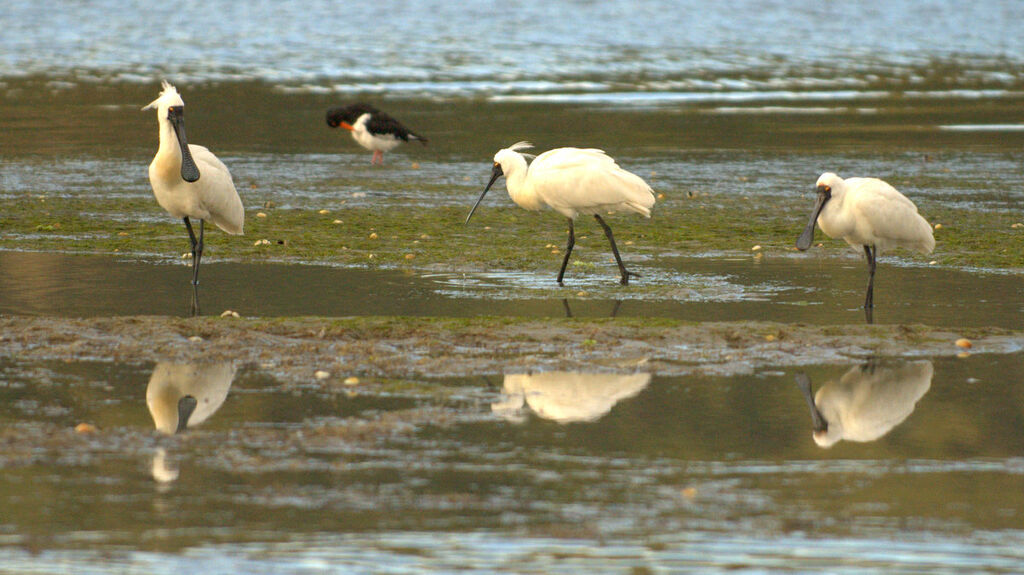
(869, 299)
(615, 250)
(197, 248)
(568, 251)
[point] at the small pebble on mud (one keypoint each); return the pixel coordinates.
(195, 339)
(321, 374)
(260, 215)
(373, 236)
(323, 212)
(85, 428)
(351, 380)
(964, 343)
(229, 313)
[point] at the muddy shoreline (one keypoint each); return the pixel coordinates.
(295, 348)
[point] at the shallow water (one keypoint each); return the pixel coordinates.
(815, 290)
(746, 98)
(520, 472)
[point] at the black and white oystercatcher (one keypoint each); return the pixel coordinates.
(372, 129)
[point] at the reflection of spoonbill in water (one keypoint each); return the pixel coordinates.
(572, 181)
(188, 180)
(181, 395)
(372, 129)
(567, 397)
(867, 402)
(870, 214)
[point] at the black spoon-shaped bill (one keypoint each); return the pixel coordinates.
(189, 170)
(804, 241)
(495, 174)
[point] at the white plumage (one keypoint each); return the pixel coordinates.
(867, 402)
(868, 214)
(188, 180)
(567, 397)
(572, 181)
(181, 395)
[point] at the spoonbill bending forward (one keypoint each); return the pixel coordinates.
(188, 180)
(571, 181)
(868, 213)
(372, 129)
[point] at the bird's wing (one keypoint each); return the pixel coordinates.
(217, 191)
(588, 181)
(892, 216)
(381, 124)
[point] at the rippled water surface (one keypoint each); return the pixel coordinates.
(517, 472)
(551, 471)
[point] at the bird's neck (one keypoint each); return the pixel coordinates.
(519, 188)
(169, 141)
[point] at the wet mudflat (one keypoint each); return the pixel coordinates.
(551, 471)
(405, 393)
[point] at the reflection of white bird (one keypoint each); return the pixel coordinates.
(867, 402)
(572, 181)
(870, 214)
(181, 395)
(189, 181)
(568, 397)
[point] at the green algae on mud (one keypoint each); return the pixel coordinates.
(392, 234)
(400, 347)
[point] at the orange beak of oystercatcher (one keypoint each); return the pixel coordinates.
(346, 125)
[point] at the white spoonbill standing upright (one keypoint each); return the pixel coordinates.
(188, 180)
(870, 214)
(572, 181)
(372, 129)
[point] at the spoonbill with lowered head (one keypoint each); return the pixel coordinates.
(372, 129)
(188, 180)
(572, 181)
(868, 213)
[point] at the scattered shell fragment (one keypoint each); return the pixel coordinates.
(661, 196)
(195, 339)
(410, 256)
(964, 354)
(321, 212)
(933, 262)
(1017, 225)
(373, 236)
(337, 222)
(770, 337)
(260, 215)
(351, 380)
(689, 492)
(186, 255)
(229, 313)
(263, 242)
(415, 165)
(629, 242)
(358, 194)
(938, 226)
(756, 248)
(964, 343)
(85, 428)
(321, 374)
(122, 234)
